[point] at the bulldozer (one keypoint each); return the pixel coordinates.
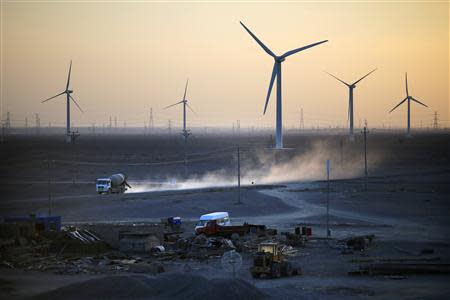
(270, 262)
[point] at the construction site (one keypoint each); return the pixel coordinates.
(384, 235)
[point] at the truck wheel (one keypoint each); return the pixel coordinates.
(284, 269)
(275, 271)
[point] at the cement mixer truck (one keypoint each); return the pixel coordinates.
(116, 183)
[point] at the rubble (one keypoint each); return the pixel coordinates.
(144, 248)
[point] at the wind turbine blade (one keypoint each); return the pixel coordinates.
(338, 79)
(76, 103)
(364, 76)
(68, 77)
(272, 79)
(173, 104)
(190, 108)
(301, 49)
(398, 104)
(53, 97)
(406, 81)
(185, 89)
(414, 99)
(268, 51)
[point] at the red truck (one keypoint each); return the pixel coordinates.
(213, 229)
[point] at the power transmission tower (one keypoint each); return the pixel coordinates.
(302, 123)
(150, 122)
(110, 123)
(38, 124)
(238, 127)
(8, 120)
(115, 123)
(3, 124)
(435, 121)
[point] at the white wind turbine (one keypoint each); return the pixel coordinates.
(276, 73)
(409, 98)
(69, 97)
(351, 86)
(185, 131)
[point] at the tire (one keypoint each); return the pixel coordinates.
(275, 271)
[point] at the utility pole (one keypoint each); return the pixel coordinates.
(49, 189)
(302, 124)
(365, 132)
(26, 123)
(8, 120)
(115, 124)
(169, 126)
(238, 125)
(328, 198)
(110, 123)
(239, 175)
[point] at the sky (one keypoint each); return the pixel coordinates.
(129, 57)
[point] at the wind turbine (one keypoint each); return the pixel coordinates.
(185, 131)
(350, 99)
(409, 98)
(276, 73)
(67, 91)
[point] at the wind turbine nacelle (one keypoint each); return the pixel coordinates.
(69, 91)
(280, 59)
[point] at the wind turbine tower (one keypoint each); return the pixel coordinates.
(69, 97)
(276, 73)
(408, 98)
(351, 87)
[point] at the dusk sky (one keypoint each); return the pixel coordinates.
(129, 57)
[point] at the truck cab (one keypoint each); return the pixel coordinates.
(103, 185)
(220, 218)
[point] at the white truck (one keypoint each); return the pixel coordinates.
(116, 183)
(222, 218)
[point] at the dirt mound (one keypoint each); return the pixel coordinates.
(167, 286)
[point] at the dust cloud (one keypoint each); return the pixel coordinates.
(262, 167)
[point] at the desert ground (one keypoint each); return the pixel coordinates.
(403, 202)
